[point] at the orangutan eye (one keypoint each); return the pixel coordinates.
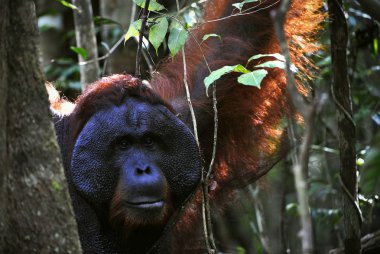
(148, 141)
(124, 144)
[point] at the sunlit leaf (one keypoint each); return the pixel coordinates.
(376, 46)
(158, 32)
(177, 37)
(67, 4)
(271, 64)
(241, 4)
(80, 51)
(240, 68)
(360, 162)
(253, 78)
(153, 5)
(292, 209)
(276, 55)
(133, 30)
(206, 36)
(275, 64)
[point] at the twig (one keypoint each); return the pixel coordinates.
(108, 54)
(243, 13)
(206, 214)
(207, 203)
(300, 159)
(144, 18)
(148, 58)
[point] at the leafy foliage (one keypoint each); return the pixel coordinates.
(153, 5)
(80, 51)
(133, 30)
(249, 78)
(177, 37)
(158, 32)
(207, 36)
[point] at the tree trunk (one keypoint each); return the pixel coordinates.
(86, 39)
(346, 127)
(36, 214)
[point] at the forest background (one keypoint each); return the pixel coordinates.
(264, 218)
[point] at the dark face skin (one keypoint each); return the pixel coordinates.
(135, 164)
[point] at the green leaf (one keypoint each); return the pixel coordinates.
(276, 55)
(177, 37)
(292, 209)
(215, 75)
(133, 30)
(240, 68)
(241, 4)
(376, 46)
(276, 64)
(158, 32)
(80, 51)
(153, 5)
(253, 78)
(272, 64)
(67, 4)
(206, 36)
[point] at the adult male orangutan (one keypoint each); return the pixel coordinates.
(130, 156)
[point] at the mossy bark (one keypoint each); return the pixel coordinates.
(36, 214)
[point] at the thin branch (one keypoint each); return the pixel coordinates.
(206, 211)
(144, 18)
(148, 58)
(108, 54)
(242, 13)
(300, 159)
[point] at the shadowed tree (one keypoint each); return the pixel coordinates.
(36, 215)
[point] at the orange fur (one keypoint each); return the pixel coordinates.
(57, 104)
(250, 131)
(249, 117)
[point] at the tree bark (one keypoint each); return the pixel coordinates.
(86, 39)
(346, 127)
(36, 214)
